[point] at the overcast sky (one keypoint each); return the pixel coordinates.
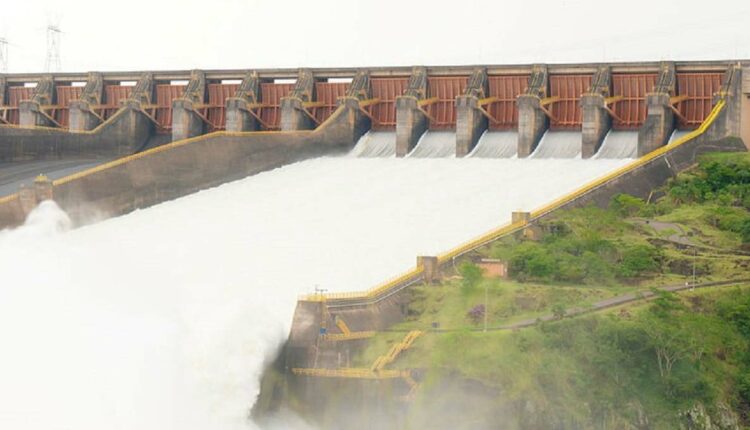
(156, 34)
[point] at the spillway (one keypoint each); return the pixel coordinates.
(435, 144)
(496, 144)
(619, 144)
(165, 317)
(677, 134)
(375, 144)
(559, 145)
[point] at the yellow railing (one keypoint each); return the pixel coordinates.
(509, 228)
(346, 333)
(8, 199)
(395, 351)
(376, 371)
(632, 166)
(355, 335)
(351, 373)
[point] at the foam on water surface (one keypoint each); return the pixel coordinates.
(165, 317)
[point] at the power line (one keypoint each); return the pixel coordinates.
(3, 55)
(53, 62)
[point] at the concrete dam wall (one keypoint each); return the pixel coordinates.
(555, 111)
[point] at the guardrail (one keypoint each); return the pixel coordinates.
(396, 284)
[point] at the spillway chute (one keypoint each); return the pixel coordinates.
(678, 134)
(496, 144)
(619, 144)
(435, 144)
(375, 144)
(559, 145)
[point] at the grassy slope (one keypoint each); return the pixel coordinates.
(600, 367)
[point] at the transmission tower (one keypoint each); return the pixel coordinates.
(52, 64)
(3, 55)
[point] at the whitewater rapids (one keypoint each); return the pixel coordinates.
(165, 317)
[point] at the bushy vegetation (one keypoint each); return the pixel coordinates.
(641, 366)
(722, 178)
(606, 246)
(722, 185)
(594, 371)
(589, 246)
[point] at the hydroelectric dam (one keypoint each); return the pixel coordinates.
(193, 210)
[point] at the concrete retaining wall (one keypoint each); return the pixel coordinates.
(123, 134)
(181, 168)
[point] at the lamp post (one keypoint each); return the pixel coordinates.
(486, 309)
(695, 257)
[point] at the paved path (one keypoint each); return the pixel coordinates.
(596, 307)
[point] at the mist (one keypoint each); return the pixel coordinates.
(167, 317)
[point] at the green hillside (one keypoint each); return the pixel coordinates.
(675, 360)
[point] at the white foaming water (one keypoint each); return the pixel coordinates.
(375, 144)
(435, 144)
(496, 144)
(677, 134)
(619, 144)
(164, 318)
(559, 145)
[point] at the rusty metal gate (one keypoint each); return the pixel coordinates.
(216, 110)
(630, 106)
(566, 110)
(504, 110)
(113, 95)
(65, 94)
(697, 89)
(446, 88)
(328, 93)
(15, 96)
(386, 90)
(271, 95)
(165, 94)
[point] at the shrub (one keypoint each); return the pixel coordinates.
(744, 231)
(471, 274)
(476, 314)
(626, 205)
(531, 260)
(637, 260)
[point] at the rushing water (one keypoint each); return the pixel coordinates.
(559, 145)
(496, 144)
(435, 144)
(375, 144)
(619, 144)
(164, 318)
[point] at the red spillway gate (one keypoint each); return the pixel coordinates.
(113, 95)
(506, 89)
(698, 90)
(65, 94)
(15, 96)
(271, 95)
(165, 94)
(446, 89)
(566, 111)
(386, 90)
(216, 111)
(630, 111)
(328, 93)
